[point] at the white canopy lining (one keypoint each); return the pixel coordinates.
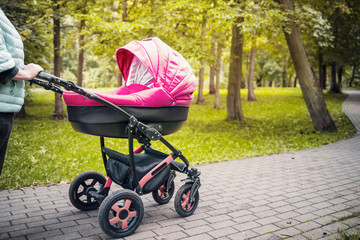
(138, 74)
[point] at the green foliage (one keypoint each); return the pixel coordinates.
(355, 235)
(26, 16)
(43, 151)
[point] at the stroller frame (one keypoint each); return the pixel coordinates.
(185, 202)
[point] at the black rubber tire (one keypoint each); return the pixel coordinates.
(180, 198)
(107, 213)
(163, 199)
(81, 181)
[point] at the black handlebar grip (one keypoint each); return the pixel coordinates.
(53, 79)
(45, 76)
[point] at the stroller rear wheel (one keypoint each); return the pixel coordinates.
(80, 187)
(162, 197)
(182, 205)
(121, 213)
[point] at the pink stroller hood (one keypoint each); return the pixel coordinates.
(155, 76)
(171, 73)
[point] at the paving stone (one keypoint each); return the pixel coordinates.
(67, 236)
(174, 235)
(242, 235)
(44, 235)
(265, 229)
(166, 230)
(198, 230)
(316, 233)
(201, 236)
(308, 226)
(222, 232)
(287, 232)
(27, 231)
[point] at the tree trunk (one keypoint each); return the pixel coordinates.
(352, 75)
(289, 81)
(233, 99)
(340, 73)
(310, 87)
(323, 76)
(334, 87)
(119, 79)
(321, 69)
(125, 11)
(218, 75)
(212, 69)
(284, 72)
(250, 80)
(200, 99)
(59, 112)
(295, 81)
(81, 53)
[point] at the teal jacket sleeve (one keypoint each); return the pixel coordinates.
(7, 75)
(6, 60)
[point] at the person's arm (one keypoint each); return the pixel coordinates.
(7, 75)
(29, 72)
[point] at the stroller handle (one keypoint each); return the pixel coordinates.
(53, 79)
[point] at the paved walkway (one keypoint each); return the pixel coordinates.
(307, 194)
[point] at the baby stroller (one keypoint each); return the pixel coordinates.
(154, 102)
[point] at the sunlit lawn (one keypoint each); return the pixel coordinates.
(43, 151)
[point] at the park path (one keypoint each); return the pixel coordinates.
(307, 194)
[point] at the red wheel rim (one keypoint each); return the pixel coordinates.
(123, 214)
(162, 193)
(185, 204)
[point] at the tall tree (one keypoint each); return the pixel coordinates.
(212, 67)
(309, 85)
(334, 86)
(250, 80)
(201, 99)
(218, 66)
(233, 99)
(81, 53)
(59, 112)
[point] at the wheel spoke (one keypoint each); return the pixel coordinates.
(93, 182)
(116, 208)
(188, 206)
(80, 194)
(132, 214)
(124, 224)
(127, 204)
(185, 202)
(114, 221)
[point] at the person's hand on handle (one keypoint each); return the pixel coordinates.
(29, 72)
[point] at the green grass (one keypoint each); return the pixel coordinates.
(354, 235)
(43, 151)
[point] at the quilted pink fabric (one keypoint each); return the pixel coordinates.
(173, 85)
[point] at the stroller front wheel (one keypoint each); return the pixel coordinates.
(182, 204)
(80, 187)
(121, 213)
(162, 197)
